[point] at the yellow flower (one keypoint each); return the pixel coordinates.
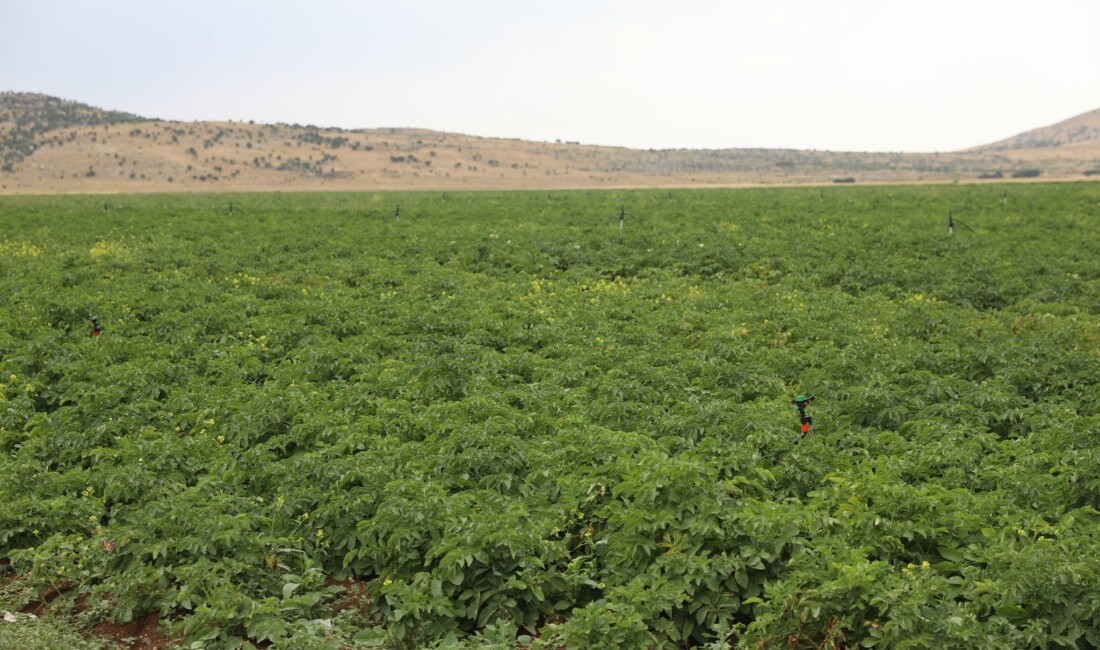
(387, 581)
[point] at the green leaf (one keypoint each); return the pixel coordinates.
(371, 637)
(1013, 613)
(952, 554)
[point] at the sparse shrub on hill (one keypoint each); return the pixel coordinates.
(33, 115)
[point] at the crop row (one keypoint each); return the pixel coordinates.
(510, 422)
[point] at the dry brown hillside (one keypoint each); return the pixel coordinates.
(1083, 130)
(53, 145)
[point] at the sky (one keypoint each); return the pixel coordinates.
(851, 75)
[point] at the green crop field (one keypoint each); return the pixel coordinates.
(496, 420)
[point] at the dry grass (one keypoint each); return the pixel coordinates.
(226, 156)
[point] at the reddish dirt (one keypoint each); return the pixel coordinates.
(38, 607)
(354, 596)
(142, 632)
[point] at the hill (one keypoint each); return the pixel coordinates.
(54, 145)
(1081, 130)
(28, 120)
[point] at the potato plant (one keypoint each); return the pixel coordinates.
(515, 425)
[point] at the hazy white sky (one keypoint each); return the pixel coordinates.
(879, 75)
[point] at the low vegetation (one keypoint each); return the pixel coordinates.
(496, 420)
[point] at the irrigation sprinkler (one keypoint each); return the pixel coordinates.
(806, 421)
(398, 213)
(622, 217)
(951, 221)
